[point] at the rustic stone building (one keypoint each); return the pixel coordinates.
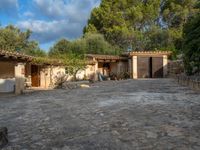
(18, 71)
(148, 64)
(138, 64)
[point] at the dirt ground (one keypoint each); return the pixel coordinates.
(155, 114)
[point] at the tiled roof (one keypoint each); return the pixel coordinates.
(106, 57)
(9, 55)
(150, 53)
(14, 55)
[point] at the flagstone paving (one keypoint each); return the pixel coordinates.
(155, 114)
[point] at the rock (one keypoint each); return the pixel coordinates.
(84, 86)
(3, 136)
(151, 135)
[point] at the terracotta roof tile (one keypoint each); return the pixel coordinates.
(15, 55)
(150, 53)
(110, 57)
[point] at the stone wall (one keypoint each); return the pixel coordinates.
(7, 70)
(192, 81)
(7, 77)
(175, 68)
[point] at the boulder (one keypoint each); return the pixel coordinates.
(3, 136)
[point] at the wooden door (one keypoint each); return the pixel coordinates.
(35, 76)
(157, 67)
(143, 67)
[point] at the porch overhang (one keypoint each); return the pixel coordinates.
(14, 56)
(107, 58)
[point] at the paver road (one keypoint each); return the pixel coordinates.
(155, 114)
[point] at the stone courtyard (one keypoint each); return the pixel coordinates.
(154, 114)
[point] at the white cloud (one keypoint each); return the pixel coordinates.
(28, 14)
(74, 10)
(9, 6)
(50, 31)
(63, 18)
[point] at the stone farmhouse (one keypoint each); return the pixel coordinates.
(18, 71)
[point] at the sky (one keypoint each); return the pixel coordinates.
(49, 20)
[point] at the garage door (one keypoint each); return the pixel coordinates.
(157, 67)
(143, 67)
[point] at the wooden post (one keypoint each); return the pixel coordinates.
(165, 67)
(134, 62)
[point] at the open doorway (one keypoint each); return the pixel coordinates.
(35, 76)
(106, 69)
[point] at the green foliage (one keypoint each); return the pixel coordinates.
(176, 12)
(90, 29)
(90, 43)
(62, 46)
(143, 25)
(191, 47)
(12, 39)
(73, 63)
(96, 44)
(46, 60)
(33, 49)
(78, 46)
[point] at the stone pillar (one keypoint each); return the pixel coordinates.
(19, 78)
(119, 68)
(134, 62)
(96, 71)
(165, 65)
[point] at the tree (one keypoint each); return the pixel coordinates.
(175, 13)
(71, 54)
(90, 29)
(191, 45)
(60, 47)
(93, 43)
(12, 39)
(142, 24)
(33, 49)
(120, 21)
(72, 62)
(96, 44)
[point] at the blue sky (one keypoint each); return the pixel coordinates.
(49, 20)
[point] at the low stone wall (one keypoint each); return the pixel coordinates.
(193, 81)
(175, 67)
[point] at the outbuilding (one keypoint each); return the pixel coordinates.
(19, 71)
(148, 64)
(12, 71)
(109, 65)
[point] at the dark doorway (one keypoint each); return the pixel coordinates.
(35, 76)
(157, 67)
(150, 67)
(106, 69)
